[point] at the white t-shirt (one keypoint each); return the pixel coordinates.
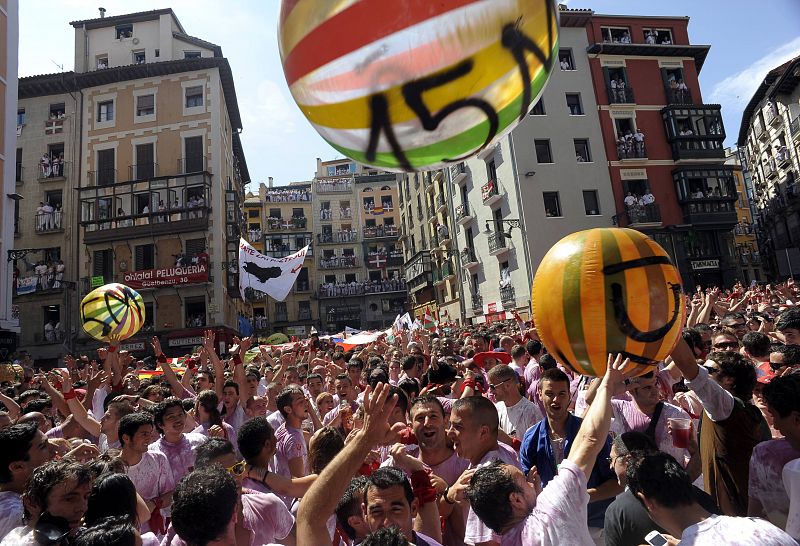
(477, 531)
(728, 530)
(517, 419)
(559, 517)
(10, 512)
(791, 481)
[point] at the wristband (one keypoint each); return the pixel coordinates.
(446, 499)
(162, 358)
(237, 360)
(111, 348)
(422, 487)
(70, 395)
(264, 479)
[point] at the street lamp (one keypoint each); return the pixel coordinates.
(512, 223)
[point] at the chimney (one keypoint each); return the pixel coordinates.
(270, 181)
(102, 12)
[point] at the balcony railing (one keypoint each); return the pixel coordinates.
(286, 250)
(631, 149)
(771, 115)
(338, 262)
(49, 222)
(468, 258)
(794, 127)
(47, 337)
(52, 170)
(343, 289)
(286, 224)
(142, 171)
(458, 172)
(379, 232)
(288, 196)
(440, 202)
(260, 324)
(761, 131)
(641, 214)
(769, 168)
(710, 210)
(679, 96)
(697, 147)
(507, 295)
(192, 164)
(304, 314)
(620, 95)
(302, 286)
(101, 177)
(337, 237)
(462, 213)
(345, 214)
(490, 192)
(334, 186)
(47, 281)
(326, 214)
(497, 242)
(477, 303)
(444, 272)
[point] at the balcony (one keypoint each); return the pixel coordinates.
(289, 195)
(772, 116)
(679, 96)
(458, 173)
(761, 131)
(49, 222)
(304, 314)
(47, 282)
(261, 324)
(338, 262)
(769, 168)
(337, 237)
(281, 316)
(477, 303)
(637, 216)
(287, 224)
(341, 185)
(343, 289)
(142, 171)
(48, 337)
(468, 259)
(443, 236)
(381, 232)
(192, 164)
(232, 279)
(463, 215)
(445, 272)
(695, 132)
(782, 157)
(345, 214)
(302, 287)
(105, 211)
(622, 95)
(694, 147)
(55, 171)
(441, 204)
(794, 128)
(427, 181)
(508, 297)
(284, 250)
(384, 259)
(326, 215)
(709, 211)
(490, 193)
(630, 149)
(101, 177)
(497, 244)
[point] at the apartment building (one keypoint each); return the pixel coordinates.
(136, 159)
(9, 39)
(414, 237)
(356, 229)
(770, 135)
(748, 256)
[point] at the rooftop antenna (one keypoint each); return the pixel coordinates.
(60, 66)
(102, 12)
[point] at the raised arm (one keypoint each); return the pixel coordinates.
(238, 350)
(717, 402)
(593, 433)
(169, 373)
(79, 413)
(12, 407)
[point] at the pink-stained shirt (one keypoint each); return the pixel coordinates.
(766, 478)
(449, 470)
(230, 434)
(181, 454)
(628, 417)
(559, 517)
(290, 445)
(235, 418)
(264, 515)
(11, 512)
(477, 531)
(152, 476)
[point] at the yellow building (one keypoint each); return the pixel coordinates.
(748, 257)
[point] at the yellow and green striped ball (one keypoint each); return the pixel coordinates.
(112, 309)
(414, 84)
(608, 290)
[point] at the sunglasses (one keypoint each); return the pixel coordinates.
(493, 386)
(727, 345)
(237, 469)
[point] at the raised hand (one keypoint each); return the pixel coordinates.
(614, 378)
(208, 341)
(156, 343)
(378, 405)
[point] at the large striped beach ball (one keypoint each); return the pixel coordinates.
(414, 84)
(112, 309)
(608, 290)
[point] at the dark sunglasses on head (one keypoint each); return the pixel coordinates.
(493, 386)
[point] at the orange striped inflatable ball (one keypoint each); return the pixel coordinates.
(415, 84)
(608, 290)
(112, 309)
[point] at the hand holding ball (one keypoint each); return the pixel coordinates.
(608, 290)
(113, 310)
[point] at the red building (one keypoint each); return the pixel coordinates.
(664, 145)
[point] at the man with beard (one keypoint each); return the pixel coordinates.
(441, 460)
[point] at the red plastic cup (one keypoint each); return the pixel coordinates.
(681, 429)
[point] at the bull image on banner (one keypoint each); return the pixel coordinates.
(272, 276)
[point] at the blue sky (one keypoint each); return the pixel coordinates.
(747, 38)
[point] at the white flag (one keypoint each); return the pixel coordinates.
(273, 276)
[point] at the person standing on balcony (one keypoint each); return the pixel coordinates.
(638, 139)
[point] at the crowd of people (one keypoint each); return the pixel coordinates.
(631, 145)
(469, 435)
(51, 165)
(355, 288)
(48, 217)
(287, 195)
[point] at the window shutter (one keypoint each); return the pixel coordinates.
(139, 258)
(195, 246)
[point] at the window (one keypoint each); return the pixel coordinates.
(54, 198)
(51, 324)
(661, 36)
(145, 161)
(191, 54)
(297, 213)
(145, 257)
(491, 170)
(194, 96)
(19, 166)
(543, 154)
(195, 246)
(552, 204)
(582, 154)
(538, 108)
(195, 312)
(105, 111)
(565, 60)
(145, 105)
(194, 161)
(158, 52)
(252, 213)
(149, 317)
(590, 203)
(375, 275)
(57, 110)
(102, 62)
(574, 104)
(20, 116)
(139, 57)
(124, 31)
(106, 171)
(617, 35)
(103, 264)
(349, 277)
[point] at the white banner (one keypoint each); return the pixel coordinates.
(273, 276)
